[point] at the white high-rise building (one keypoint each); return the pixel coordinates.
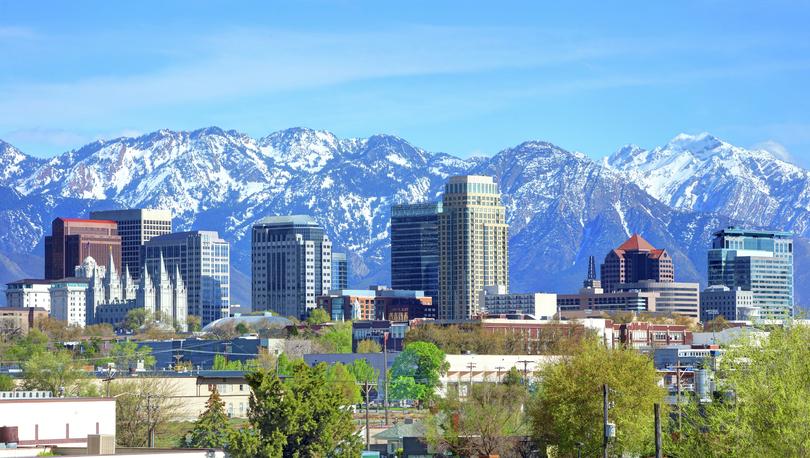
(136, 227)
(473, 244)
(29, 293)
(291, 259)
(69, 300)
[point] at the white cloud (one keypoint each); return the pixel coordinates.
(777, 149)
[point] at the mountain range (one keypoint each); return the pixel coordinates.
(561, 206)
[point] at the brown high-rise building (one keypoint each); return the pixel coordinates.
(72, 240)
(636, 260)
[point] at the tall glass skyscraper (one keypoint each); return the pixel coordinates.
(415, 248)
(756, 261)
(291, 259)
(473, 244)
(340, 271)
(204, 262)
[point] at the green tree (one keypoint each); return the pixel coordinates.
(363, 371)
(318, 316)
(368, 346)
(342, 380)
(35, 342)
(126, 355)
(221, 363)
(764, 409)
(6, 383)
(54, 371)
(338, 338)
(212, 428)
(568, 405)
(300, 416)
(136, 318)
(424, 364)
(242, 329)
(489, 421)
(194, 323)
(513, 377)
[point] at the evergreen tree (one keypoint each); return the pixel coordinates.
(301, 416)
(212, 429)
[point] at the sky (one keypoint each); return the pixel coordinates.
(465, 78)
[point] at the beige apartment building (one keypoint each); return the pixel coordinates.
(473, 244)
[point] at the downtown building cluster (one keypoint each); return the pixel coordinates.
(99, 269)
(450, 262)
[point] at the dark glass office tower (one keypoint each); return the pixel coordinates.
(415, 248)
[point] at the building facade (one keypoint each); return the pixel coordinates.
(636, 260)
(136, 227)
(415, 248)
(673, 297)
(473, 244)
(732, 304)
(340, 271)
(348, 304)
(18, 320)
(164, 296)
(203, 260)
(377, 303)
(69, 300)
(29, 293)
(593, 301)
(291, 263)
(105, 288)
(74, 239)
(756, 261)
(496, 300)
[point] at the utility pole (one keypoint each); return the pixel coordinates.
(525, 363)
(365, 384)
(499, 369)
(678, 382)
(470, 366)
(658, 446)
(385, 372)
(605, 420)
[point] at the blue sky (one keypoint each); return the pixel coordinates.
(461, 77)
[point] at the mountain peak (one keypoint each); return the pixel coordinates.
(698, 144)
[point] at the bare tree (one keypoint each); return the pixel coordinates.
(143, 407)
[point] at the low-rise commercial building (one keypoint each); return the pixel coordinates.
(377, 330)
(18, 320)
(595, 300)
(646, 335)
(674, 297)
(57, 421)
(733, 305)
(495, 300)
(377, 303)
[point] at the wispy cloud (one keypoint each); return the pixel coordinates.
(249, 62)
(777, 149)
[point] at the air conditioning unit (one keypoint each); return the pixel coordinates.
(101, 444)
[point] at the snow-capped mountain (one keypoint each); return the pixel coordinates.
(706, 174)
(562, 206)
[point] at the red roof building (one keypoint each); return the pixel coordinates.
(636, 260)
